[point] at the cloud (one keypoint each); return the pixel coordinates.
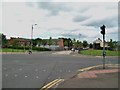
(70, 35)
(53, 7)
(109, 22)
(105, 13)
(59, 19)
(80, 18)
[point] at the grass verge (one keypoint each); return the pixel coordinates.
(12, 50)
(99, 52)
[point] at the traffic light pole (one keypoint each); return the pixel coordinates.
(103, 51)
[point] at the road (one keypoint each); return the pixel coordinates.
(37, 69)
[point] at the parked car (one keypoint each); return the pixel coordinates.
(73, 49)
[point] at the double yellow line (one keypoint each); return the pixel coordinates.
(49, 85)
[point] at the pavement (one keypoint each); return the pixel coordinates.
(96, 77)
(63, 52)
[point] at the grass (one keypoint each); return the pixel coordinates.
(12, 50)
(99, 52)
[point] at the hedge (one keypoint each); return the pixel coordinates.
(27, 48)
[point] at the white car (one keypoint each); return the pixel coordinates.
(73, 49)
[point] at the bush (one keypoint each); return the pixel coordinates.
(27, 48)
(40, 49)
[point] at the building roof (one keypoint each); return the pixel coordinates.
(19, 39)
(97, 41)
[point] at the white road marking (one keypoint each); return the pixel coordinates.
(60, 70)
(37, 77)
(44, 70)
(6, 75)
(20, 69)
(69, 71)
(15, 75)
(26, 76)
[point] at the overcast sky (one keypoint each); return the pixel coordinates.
(60, 19)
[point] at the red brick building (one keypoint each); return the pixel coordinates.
(19, 41)
(61, 43)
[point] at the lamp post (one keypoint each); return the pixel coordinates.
(32, 36)
(79, 40)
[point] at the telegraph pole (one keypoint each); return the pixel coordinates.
(104, 53)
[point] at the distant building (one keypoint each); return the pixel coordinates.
(57, 44)
(19, 41)
(61, 43)
(98, 44)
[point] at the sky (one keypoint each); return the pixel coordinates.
(79, 20)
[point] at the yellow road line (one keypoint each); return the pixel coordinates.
(54, 84)
(49, 85)
(88, 68)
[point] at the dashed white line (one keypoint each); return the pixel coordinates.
(26, 76)
(44, 70)
(15, 75)
(37, 77)
(48, 77)
(60, 70)
(6, 75)
(20, 69)
(69, 71)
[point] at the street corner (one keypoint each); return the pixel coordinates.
(94, 77)
(99, 67)
(93, 71)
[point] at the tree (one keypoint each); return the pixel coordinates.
(3, 40)
(50, 41)
(37, 41)
(74, 40)
(113, 44)
(65, 43)
(85, 44)
(90, 45)
(77, 44)
(44, 42)
(68, 42)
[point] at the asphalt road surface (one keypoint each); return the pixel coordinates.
(37, 69)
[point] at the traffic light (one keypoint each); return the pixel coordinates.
(103, 29)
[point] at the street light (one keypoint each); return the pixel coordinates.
(32, 36)
(79, 40)
(79, 36)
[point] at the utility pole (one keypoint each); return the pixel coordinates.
(30, 51)
(104, 53)
(79, 36)
(79, 41)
